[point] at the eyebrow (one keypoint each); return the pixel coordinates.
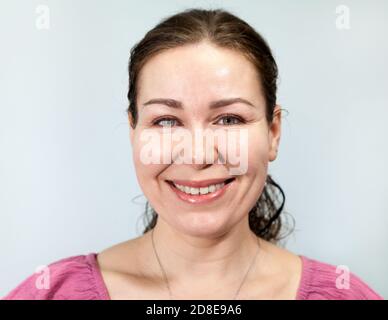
(172, 103)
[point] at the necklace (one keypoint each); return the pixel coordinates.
(165, 276)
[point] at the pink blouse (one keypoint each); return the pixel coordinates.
(79, 278)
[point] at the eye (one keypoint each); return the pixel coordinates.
(230, 119)
(165, 122)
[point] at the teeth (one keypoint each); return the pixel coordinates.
(203, 190)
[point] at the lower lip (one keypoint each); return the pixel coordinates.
(200, 198)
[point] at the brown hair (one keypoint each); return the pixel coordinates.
(227, 31)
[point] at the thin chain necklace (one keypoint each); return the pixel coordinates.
(165, 276)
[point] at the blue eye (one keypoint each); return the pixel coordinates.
(165, 122)
(230, 120)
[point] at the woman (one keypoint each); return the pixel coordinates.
(214, 230)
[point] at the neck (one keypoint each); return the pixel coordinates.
(195, 261)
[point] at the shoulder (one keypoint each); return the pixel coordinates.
(113, 260)
(324, 281)
(71, 278)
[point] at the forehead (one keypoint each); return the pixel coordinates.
(198, 72)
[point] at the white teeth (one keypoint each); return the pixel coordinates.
(203, 190)
(194, 191)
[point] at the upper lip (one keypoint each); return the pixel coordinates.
(198, 184)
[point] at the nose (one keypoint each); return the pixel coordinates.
(205, 149)
(201, 150)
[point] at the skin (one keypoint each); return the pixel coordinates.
(205, 249)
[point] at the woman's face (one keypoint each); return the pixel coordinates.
(184, 194)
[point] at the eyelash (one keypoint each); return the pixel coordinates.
(241, 120)
(229, 115)
(155, 122)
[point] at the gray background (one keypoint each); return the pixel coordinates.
(66, 175)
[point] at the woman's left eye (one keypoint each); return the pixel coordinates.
(229, 120)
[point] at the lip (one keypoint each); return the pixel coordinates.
(200, 198)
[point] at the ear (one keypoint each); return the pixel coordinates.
(274, 133)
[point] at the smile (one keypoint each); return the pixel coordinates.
(199, 192)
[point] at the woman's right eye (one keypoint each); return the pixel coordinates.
(165, 122)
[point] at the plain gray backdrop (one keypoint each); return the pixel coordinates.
(67, 180)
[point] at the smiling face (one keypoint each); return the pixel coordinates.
(178, 89)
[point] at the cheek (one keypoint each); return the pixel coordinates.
(257, 166)
(258, 152)
(257, 146)
(146, 158)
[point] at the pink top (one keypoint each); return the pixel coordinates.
(79, 278)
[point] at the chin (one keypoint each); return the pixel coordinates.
(203, 224)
